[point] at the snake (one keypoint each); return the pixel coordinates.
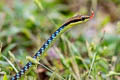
(78, 19)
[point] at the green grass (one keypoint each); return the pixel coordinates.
(75, 56)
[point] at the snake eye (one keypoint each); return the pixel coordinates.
(83, 18)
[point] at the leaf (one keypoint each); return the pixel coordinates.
(8, 48)
(32, 60)
(0, 48)
(5, 77)
(39, 4)
(11, 55)
(105, 21)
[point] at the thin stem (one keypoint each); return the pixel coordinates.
(91, 66)
(51, 70)
(10, 63)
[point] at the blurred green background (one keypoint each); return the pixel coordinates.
(89, 51)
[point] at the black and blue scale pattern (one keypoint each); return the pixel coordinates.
(41, 50)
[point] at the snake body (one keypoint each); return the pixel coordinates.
(67, 25)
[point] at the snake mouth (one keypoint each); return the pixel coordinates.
(91, 16)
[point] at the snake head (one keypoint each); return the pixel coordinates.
(88, 17)
(78, 19)
(84, 18)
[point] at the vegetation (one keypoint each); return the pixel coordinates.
(89, 51)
